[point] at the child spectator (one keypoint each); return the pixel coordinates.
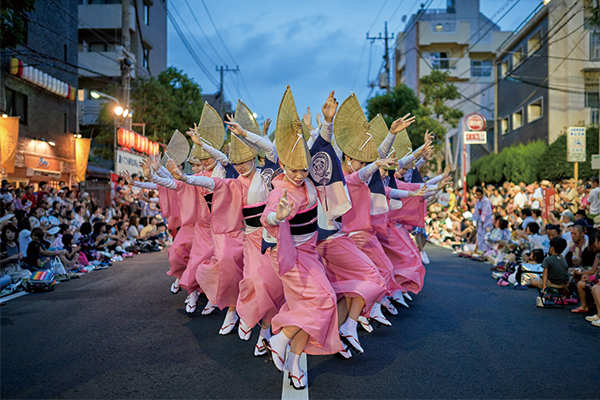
(555, 267)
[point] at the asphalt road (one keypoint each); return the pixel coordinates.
(119, 333)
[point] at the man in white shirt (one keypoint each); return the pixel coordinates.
(520, 198)
(594, 199)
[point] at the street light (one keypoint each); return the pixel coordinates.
(118, 111)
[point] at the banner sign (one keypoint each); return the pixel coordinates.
(547, 202)
(576, 144)
(128, 162)
(82, 153)
(9, 135)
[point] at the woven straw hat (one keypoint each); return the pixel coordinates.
(289, 139)
(196, 155)
(211, 131)
(401, 146)
(240, 149)
(305, 131)
(357, 137)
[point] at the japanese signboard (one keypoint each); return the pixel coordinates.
(128, 162)
(472, 137)
(576, 144)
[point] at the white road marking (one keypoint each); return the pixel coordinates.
(288, 392)
(12, 296)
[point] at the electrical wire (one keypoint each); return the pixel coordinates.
(378, 14)
(203, 32)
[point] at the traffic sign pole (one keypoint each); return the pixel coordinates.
(576, 168)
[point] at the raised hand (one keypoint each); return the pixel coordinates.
(266, 124)
(127, 176)
(448, 169)
(421, 192)
(330, 107)
(425, 149)
(445, 182)
(401, 124)
(154, 162)
(284, 207)
(234, 127)
(146, 169)
(193, 133)
(172, 168)
(307, 119)
(319, 116)
(387, 162)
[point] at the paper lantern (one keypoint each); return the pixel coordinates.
(16, 66)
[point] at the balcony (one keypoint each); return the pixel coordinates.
(103, 16)
(105, 63)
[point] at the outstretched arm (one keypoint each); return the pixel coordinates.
(365, 173)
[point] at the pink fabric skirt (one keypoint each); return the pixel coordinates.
(351, 272)
(202, 249)
(404, 254)
(367, 242)
(310, 301)
(179, 252)
(261, 291)
(219, 276)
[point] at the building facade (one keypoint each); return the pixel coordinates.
(459, 40)
(548, 75)
(119, 40)
(40, 89)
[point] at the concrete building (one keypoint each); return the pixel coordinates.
(462, 41)
(113, 38)
(548, 75)
(40, 89)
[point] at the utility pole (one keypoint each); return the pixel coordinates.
(125, 64)
(222, 70)
(386, 57)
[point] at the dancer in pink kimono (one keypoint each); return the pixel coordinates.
(190, 217)
(369, 206)
(179, 251)
(353, 276)
(308, 319)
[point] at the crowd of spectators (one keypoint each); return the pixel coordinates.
(540, 235)
(66, 231)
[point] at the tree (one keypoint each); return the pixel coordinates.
(436, 92)
(164, 103)
(432, 114)
(13, 29)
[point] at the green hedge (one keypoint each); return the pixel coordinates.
(533, 162)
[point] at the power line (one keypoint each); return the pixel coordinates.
(203, 32)
(362, 54)
(377, 16)
(192, 35)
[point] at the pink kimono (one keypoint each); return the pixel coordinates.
(361, 226)
(179, 252)
(398, 245)
(310, 300)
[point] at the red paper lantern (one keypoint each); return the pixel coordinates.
(121, 137)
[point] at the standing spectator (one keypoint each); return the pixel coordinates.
(594, 199)
(484, 216)
(29, 197)
(42, 192)
(520, 198)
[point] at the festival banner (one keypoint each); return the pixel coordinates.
(548, 201)
(9, 135)
(82, 152)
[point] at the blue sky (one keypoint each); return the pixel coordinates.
(313, 46)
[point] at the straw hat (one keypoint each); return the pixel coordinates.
(196, 155)
(289, 140)
(305, 131)
(241, 150)
(177, 149)
(211, 131)
(401, 146)
(357, 137)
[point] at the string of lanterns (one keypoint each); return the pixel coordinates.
(139, 143)
(42, 79)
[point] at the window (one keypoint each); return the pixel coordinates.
(535, 42)
(592, 100)
(65, 123)
(504, 125)
(145, 57)
(517, 57)
(146, 14)
(481, 68)
(517, 119)
(65, 53)
(16, 103)
(98, 47)
(440, 60)
(505, 68)
(534, 110)
(594, 46)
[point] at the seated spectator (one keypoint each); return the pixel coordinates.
(85, 242)
(578, 255)
(589, 278)
(527, 217)
(71, 252)
(532, 236)
(537, 215)
(11, 255)
(102, 240)
(38, 252)
(555, 267)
